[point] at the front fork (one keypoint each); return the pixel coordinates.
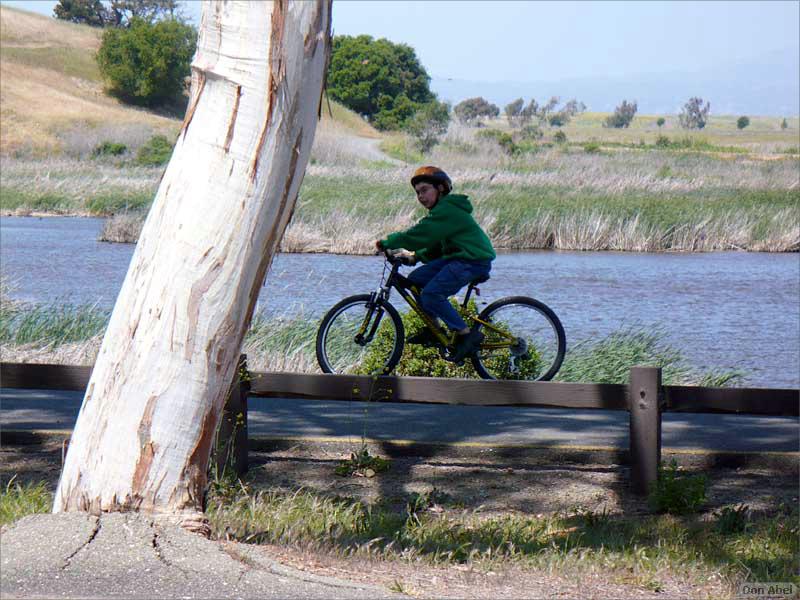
(372, 319)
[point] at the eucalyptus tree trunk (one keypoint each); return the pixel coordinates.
(145, 430)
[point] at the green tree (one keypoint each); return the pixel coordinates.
(530, 111)
(472, 109)
(784, 124)
(545, 110)
(429, 124)
(121, 13)
(660, 122)
(513, 110)
(146, 63)
(742, 122)
(378, 79)
(559, 119)
(573, 107)
(86, 12)
(116, 13)
(623, 115)
(694, 114)
(155, 152)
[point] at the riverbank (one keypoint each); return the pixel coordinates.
(569, 202)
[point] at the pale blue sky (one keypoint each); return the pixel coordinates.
(527, 41)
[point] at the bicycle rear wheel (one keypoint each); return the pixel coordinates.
(524, 339)
(360, 338)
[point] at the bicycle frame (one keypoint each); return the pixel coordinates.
(409, 293)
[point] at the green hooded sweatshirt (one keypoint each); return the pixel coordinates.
(447, 231)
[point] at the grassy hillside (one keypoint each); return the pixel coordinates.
(52, 93)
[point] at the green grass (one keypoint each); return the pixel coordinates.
(518, 203)
(100, 202)
(663, 142)
(17, 501)
(532, 217)
(73, 62)
(400, 147)
(520, 216)
(282, 335)
(676, 492)
(621, 198)
(766, 550)
(609, 360)
(720, 130)
(50, 324)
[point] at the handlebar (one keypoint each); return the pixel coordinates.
(395, 258)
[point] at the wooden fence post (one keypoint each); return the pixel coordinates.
(644, 399)
(231, 450)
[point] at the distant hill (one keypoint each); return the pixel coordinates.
(768, 85)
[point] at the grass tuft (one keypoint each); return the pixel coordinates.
(124, 228)
(17, 501)
(50, 325)
(676, 492)
(610, 359)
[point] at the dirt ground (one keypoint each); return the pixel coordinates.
(492, 481)
(513, 481)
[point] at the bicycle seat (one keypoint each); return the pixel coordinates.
(480, 279)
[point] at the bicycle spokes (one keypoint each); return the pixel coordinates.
(521, 342)
(358, 337)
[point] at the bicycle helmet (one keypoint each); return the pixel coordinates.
(432, 175)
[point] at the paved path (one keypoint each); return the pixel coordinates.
(77, 555)
(315, 419)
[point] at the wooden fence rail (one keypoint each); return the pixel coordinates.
(645, 398)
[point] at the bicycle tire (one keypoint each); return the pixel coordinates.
(349, 356)
(548, 346)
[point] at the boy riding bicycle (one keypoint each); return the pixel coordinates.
(454, 250)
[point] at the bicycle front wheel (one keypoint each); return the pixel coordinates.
(360, 338)
(523, 339)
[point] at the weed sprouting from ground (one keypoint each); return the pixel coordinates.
(676, 492)
(362, 463)
(732, 519)
(18, 500)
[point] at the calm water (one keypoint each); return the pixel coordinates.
(727, 309)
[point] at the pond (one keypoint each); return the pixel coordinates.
(732, 310)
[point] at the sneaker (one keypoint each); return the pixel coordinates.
(423, 337)
(466, 345)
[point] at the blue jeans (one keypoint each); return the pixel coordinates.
(442, 278)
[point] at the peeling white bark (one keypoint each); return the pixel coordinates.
(144, 433)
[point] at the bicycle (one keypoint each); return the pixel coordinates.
(364, 334)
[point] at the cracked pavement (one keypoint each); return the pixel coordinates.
(127, 555)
